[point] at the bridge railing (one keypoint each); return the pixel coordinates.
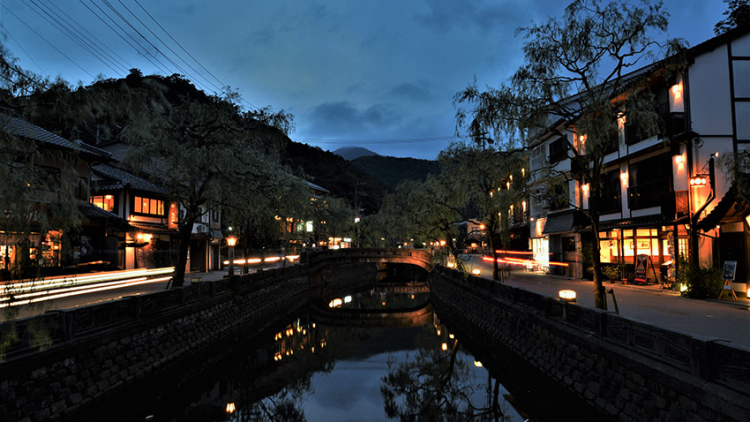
(418, 256)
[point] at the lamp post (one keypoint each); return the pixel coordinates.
(231, 241)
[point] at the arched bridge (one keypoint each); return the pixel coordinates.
(418, 257)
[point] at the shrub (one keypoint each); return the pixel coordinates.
(703, 282)
(612, 272)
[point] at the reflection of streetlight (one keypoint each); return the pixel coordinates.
(231, 241)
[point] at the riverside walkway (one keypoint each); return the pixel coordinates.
(723, 320)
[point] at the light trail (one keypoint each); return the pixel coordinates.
(28, 286)
(86, 290)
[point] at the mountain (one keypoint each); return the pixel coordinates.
(351, 153)
(391, 171)
(342, 178)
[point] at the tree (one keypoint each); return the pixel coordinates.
(495, 182)
(204, 150)
(737, 15)
(578, 70)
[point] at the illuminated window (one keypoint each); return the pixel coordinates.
(105, 202)
(148, 206)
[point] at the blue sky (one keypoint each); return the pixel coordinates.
(377, 74)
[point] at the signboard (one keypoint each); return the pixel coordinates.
(730, 268)
(640, 267)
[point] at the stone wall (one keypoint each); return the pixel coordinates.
(627, 370)
(97, 351)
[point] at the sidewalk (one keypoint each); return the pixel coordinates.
(723, 320)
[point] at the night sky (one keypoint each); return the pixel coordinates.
(377, 74)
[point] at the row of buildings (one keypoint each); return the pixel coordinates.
(127, 221)
(665, 194)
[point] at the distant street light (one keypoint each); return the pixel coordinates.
(231, 241)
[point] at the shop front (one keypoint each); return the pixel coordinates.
(644, 254)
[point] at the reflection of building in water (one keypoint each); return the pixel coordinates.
(299, 335)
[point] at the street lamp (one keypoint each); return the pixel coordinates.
(231, 241)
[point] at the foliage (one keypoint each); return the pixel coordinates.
(342, 178)
(391, 171)
(703, 282)
(613, 271)
(737, 15)
(207, 154)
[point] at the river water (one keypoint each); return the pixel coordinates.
(377, 354)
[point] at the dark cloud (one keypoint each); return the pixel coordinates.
(412, 91)
(444, 15)
(342, 118)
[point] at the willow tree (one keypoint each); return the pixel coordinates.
(206, 152)
(494, 182)
(580, 69)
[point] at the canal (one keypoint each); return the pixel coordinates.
(377, 353)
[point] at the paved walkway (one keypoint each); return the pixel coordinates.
(725, 320)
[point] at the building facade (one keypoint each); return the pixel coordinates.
(651, 213)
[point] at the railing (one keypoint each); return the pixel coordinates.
(649, 194)
(419, 257)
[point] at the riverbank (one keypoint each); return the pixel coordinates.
(628, 369)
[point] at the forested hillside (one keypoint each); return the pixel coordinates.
(391, 171)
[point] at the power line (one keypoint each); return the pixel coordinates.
(251, 105)
(146, 55)
(95, 40)
(54, 22)
(21, 47)
(168, 47)
(45, 40)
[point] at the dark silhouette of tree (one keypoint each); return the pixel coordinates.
(737, 15)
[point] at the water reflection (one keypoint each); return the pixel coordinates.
(310, 370)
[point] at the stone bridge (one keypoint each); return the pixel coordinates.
(417, 257)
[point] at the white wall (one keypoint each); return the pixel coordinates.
(709, 93)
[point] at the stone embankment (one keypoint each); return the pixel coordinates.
(628, 370)
(94, 352)
(99, 350)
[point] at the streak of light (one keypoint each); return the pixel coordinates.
(90, 290)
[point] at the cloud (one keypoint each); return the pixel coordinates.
(444, 15)
(412, 91)
(343, 118)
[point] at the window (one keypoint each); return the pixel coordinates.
(650, 182)
(105, 202)
(741, 78)
(149, 206)
(558, 150)
(611, 194)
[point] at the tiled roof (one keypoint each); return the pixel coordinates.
(22, 128)
(115, 175)
(92, 211)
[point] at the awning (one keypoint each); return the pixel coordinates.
(733, 207)
(217, 234)
(647, 221)
(152, 227)
(563, 222)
